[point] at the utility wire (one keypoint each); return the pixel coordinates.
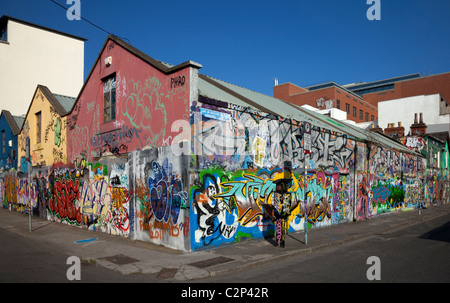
(91, 23)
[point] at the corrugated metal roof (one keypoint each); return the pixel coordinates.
(65, 101)
(213, 88)
(19, 121)
(206, 89)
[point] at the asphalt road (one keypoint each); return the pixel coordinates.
(418, 254)
(415, 254)
(23, 260)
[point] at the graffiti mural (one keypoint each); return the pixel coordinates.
(230, 205)
(158, 181)
(63, 200)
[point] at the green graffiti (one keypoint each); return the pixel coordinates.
(58, 132)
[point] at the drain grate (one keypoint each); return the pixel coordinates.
(120, 259)
(167, 273)
(211, 262)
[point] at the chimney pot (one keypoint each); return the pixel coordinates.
(415, 118)
(421, 118)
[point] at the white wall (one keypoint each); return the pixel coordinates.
(35, 56)
(403, 110)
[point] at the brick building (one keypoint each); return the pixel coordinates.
(403, 87)
(328, 95)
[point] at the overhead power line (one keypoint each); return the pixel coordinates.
(90, 22)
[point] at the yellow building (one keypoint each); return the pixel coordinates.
(45, 125)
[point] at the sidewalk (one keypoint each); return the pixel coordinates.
(130, 256)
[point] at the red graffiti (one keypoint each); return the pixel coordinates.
(63, 199)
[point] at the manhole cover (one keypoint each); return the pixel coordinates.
(167, 273)
(211, 262)
(120, 259)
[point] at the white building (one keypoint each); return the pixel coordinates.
(338, 115)
(435, 112)
(31, 54)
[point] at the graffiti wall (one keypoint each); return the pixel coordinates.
(240, 160)
(159, 191)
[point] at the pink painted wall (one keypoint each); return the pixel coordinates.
(148, 101)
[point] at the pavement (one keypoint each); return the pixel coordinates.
(128, 256)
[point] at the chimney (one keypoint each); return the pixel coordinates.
(376, 128)
(395, 132)
(418, 129)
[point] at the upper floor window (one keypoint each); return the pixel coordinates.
(109, 99)
(38, 118)
(3, 33)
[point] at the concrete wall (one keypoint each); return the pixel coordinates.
(159, 186)
(37, 52)
(403, 110)
(238, 157)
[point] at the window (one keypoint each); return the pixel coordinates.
(347, 108)
(3, 142)
(361, 114)
(109, 99)
(38, 119)
(372, 118)
(367, 117)
(354, 111)
(338, 104)
(3, 33)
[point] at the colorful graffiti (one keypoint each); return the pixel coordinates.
(63, 200)
(250, 202)
(160, 197)
(247, 140)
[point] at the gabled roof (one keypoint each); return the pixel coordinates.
(60, 103)
(223, 91)
(15, 122)
(159, 65)
(6, 18)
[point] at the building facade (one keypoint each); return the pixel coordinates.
(433, 110)
(45, 128)
(327, 96)
(167, 155)
(31, 54)
(403, 87)
(9, 129)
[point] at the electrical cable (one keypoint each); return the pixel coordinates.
(91, 23)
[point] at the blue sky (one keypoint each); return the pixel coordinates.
(249, 43)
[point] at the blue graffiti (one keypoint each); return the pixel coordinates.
(166, 192)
